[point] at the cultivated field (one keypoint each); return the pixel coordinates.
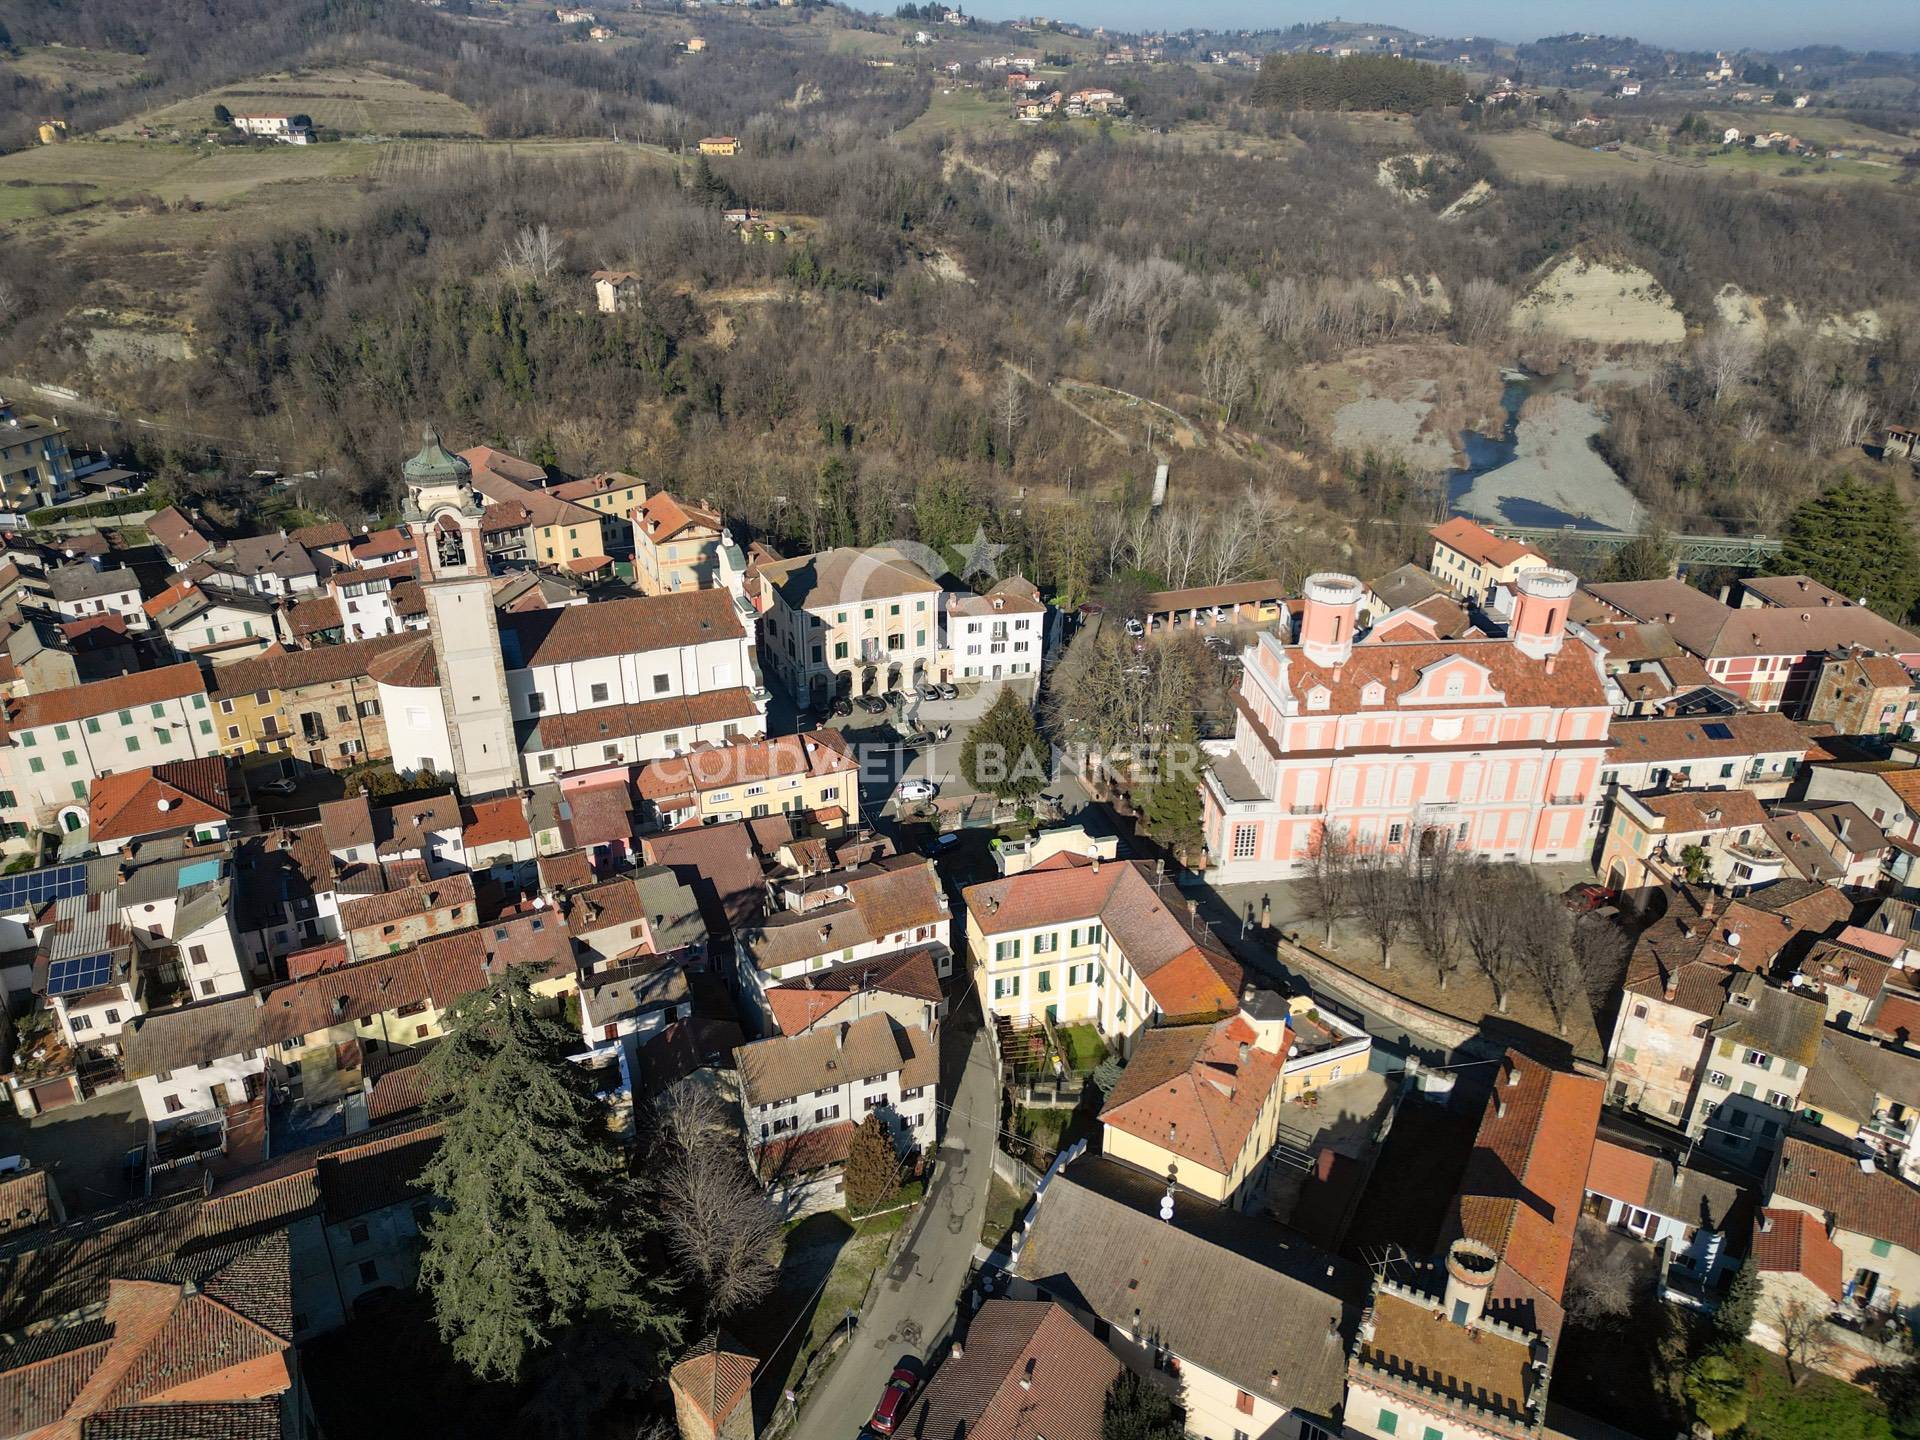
(957, 110)
(83, 175)
(1536, 155)
(77, 66)
(350, 99)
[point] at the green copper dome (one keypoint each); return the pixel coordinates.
(435, 462)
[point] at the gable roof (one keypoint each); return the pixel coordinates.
(99, 697)
(1190, 1090)
(1818, 619)
(1524, 1181)
(716, 1375)
(663, 517)
(1828, 1182)
(1265, 1314)
(1480, 544)
(1187, 973)
(1027, 1369)
(790, 1065)
(1793, 1242)
(645, 623)
(798, 1005)
(845, 576)
(178, 536)
(172, 796)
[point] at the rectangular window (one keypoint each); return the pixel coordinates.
(1759, 1059)
(1046, 981)
(1881, 1249)
(1007, 987)
(1095, 934)
(599, 692)
(1046, 944)
(133, 743)
(1246, 840)
(1389, 1422)
(1006, 950)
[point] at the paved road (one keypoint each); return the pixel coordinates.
(909, 1308)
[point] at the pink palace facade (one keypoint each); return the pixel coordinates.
(1393, 735)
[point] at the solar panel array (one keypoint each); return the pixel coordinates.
(1717, 731)
(67, 977)
(34, 888)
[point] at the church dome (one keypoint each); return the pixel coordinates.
(435, 462)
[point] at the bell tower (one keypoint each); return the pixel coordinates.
(444, 515)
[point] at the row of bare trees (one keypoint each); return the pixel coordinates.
(1459, 909)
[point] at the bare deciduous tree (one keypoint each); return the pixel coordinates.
(1380, 897)
(1228, 365)
(1434, 880)
(534, 251)
(1010, 407)
(1550, 956)
(1481, 311)
(1492, 909)
(1727, 357)
(1806, 1340)
(1603, 1280)
(719, 1225)
(1330, 863)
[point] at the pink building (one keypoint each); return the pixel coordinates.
(1391, 734)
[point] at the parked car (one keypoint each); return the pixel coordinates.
(948, 691)
(1582, 898)
(1136, 628)
(918, 790)
(285, 785)
(942, 843)
(872, 704)
(841, 706)
(930, 692)
(893, 1401)
(894, 698)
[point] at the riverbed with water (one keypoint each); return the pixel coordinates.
(1542, 468)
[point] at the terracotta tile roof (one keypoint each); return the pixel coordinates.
(1572, 680)
(600, 814)
(663, 517)
(1689, 811)
(347, 823)
(1816, 619)
(1793, 1242)
(406, 826)
(407, 667)
(414, 900)
(566, 871)
(844, 576)
(1853, 1073)
(647, 717)
(800, 1004)
(591, 485)
(742, 761)
(328, 664)
(716, 1375)
(378, 544)
(589, 564)
(312, 617)
(25, 1201)
(374, 1170)
(1775, 1019)
(173, 796)
(1188, 975)
(499, 464)
(177, 536)
(1028, 1369)
(721, 864)
(618, 627)
(1652, 1182)
(1633, 642)
(494, 822)
(1874, 1203)
(100, 697)
(1480, 544)
(1189, 1090)
(790, 1065)
(1766, 732)
(1203, 597)
(319, 537)
(1524, 1180)
(893, 895)
(810, 1150)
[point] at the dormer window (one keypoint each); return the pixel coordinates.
(1456, 685)
(1374, 694)
(1318, 698)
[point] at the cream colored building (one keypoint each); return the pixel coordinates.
(676, 546)
(848, 619)
(814, 774)
(1093, 943)
(1469, 559)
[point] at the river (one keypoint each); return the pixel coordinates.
(1542, 469)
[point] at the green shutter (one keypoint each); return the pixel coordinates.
(1389, 1422)
(1882, 1248)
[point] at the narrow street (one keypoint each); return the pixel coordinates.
(911, 1301)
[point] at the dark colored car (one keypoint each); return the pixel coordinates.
(894, 698)
(893, 1401)
(841, 706)
(872, 704)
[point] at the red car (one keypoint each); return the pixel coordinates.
(1582, 898)
(893, 1401)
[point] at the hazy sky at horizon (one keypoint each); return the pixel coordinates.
(1704, 24)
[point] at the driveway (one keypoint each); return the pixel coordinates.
(909, 1308)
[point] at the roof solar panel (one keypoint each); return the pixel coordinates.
(35, 888)
(68, 977)
(1717, 731)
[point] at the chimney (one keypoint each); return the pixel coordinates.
(1173, 1131)
(840, 1035)
(1393, 671)
(957, 1352)
(1500, 1106)
(1244, 1050)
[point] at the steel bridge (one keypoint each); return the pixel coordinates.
(1739, 552)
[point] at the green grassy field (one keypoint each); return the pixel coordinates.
(81, 174)
(349, 99)
(958, 110)
(1536, 155)
(75, 65)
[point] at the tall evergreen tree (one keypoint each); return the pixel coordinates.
(1733, 1318)
(1170, 803)
(1004, 755)
(1859, 540)
(1138, 1410)
(539, 1225)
